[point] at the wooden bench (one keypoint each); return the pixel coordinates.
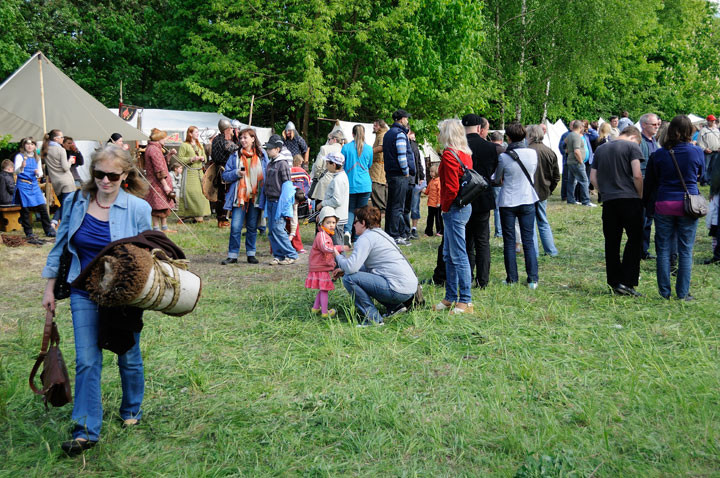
(10, 218)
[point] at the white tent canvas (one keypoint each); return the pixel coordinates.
(429, 152)
(176, 123)
(552, 138)
(695, 119)
(67, 106)
(347, 126)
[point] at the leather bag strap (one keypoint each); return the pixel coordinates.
(677, 168)
(50, 334)
(515, 156)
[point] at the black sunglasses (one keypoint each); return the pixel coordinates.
(97, 174)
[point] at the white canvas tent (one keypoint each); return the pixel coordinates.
(39, 97)
(552, 138)
(429, 152)
(176, 123)
(347, 126)
(695, 119)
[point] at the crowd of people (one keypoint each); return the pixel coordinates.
(641, 176)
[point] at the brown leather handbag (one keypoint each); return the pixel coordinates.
(54, 376)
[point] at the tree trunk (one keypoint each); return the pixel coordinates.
(306, 120)
(498, 63)
(547, 97)
(521, 72)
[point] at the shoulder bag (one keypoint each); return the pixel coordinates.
(472, 184)
(417, 300)
(62, 287)
(694, 205)
(54, 376)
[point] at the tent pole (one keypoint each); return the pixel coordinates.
(252, 104)
(42, 95)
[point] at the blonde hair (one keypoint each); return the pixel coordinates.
(358, 133)
(451, 134)
(133, 184)
(605, 130)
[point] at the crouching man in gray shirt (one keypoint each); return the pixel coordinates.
(375, 270)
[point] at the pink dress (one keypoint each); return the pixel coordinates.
(322, 262)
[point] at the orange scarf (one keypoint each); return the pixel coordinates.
(252, 180)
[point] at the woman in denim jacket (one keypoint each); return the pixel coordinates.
(109, 207)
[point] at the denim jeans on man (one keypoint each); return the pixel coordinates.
(577, 174)
(58, 211)
(365, 287)
(525, 215)
(355, 201)
(397, 190)
(248, 218)
(685, 227)
(279, 239)
(457, 266)
(415, 203)
(618, 215)
(563, 181)
(711, 161)
(87, 409)
(543, 226)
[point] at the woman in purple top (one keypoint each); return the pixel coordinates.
(670, 219)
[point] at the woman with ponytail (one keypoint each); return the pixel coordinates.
(58, 168)
(358, 159)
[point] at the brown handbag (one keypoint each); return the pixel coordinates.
(54, 376)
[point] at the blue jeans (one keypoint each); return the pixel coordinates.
(356, 201)
(710, 163)
(496, 219)
(278, 236)
(458, 277)
(397, 190)
(685, 228)
(525, 215)
(415, 204)
(576, 174)
(546, 235)
(364, 287)
(87, 410)
(249, 219)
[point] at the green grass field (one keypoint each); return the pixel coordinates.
(567, 380)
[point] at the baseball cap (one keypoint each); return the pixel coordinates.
(711, 118)
(275, 141)
(336, 158)
(471, 119)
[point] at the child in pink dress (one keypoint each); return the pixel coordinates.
(322, 262)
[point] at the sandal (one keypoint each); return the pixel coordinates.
(441, 306)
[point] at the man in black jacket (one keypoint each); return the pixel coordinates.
(477, 230)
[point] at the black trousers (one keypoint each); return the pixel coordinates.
(434, 217)
(219, 205)
(477, 240)
(477, 243)
(397, 191)
(26, 218)
(620, 215)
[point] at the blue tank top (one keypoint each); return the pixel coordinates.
(92, 236)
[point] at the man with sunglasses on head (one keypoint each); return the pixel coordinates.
(649, 125)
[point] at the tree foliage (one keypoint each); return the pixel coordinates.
(302, 60)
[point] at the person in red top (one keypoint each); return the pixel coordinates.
(322, 262)
(457, 266)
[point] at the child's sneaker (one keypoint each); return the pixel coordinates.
(330, 313)
(314, 311)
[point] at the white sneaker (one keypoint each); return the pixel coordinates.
(347, 239)
(532, 285)
(275, 262)
(287, 261)
(590, 204)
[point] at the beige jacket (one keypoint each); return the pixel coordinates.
(319, 167)
(709, 139)
(58, 168)
(377, 168)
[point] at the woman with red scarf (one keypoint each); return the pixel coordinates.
(244, 172)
